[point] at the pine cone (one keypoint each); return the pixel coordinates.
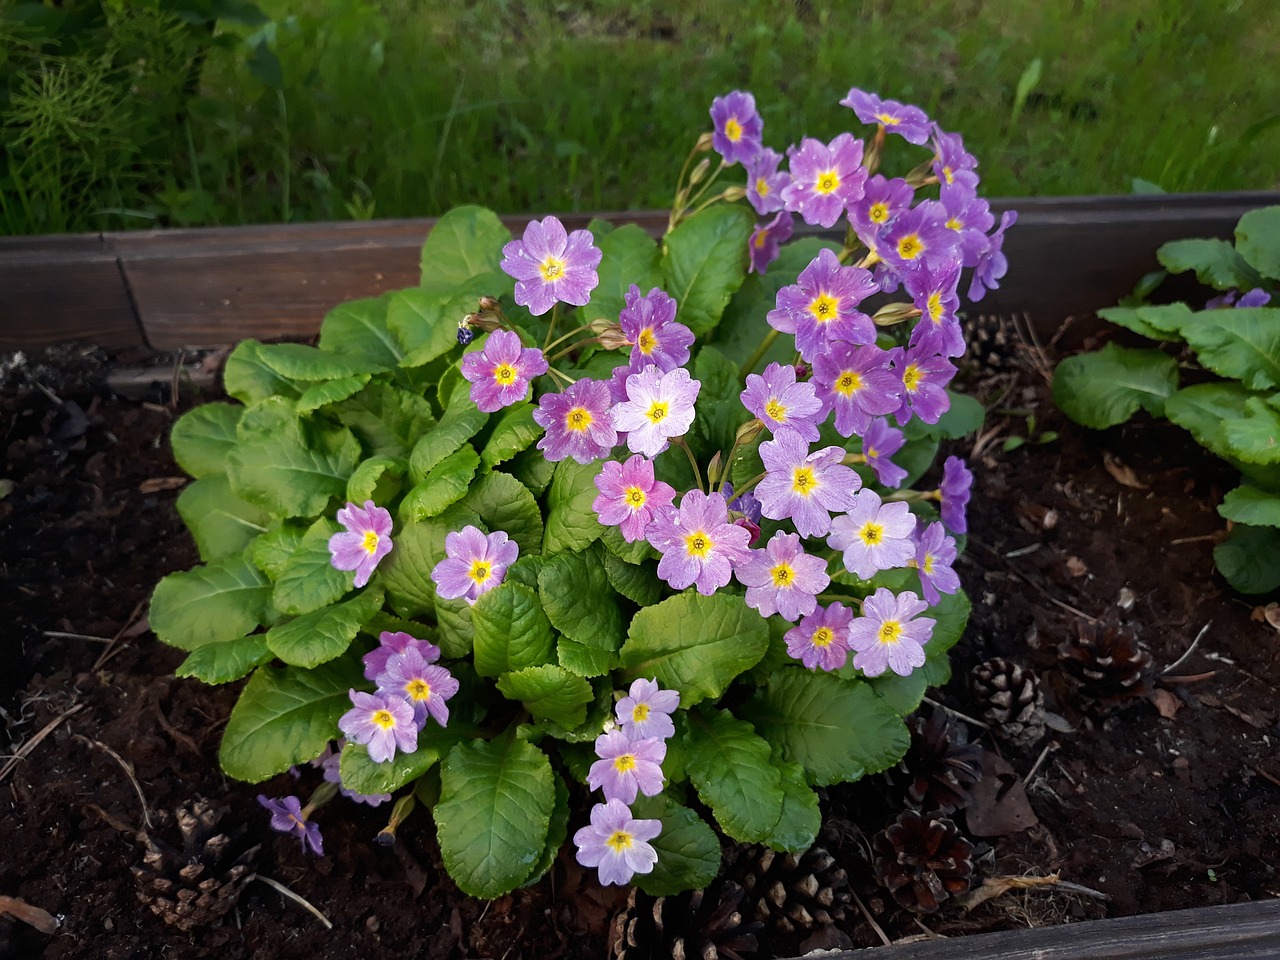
(793, 893)
(694, 925)
(940, 765)
(989, 339)
(1011, 698)
(922, 861)
(1108, 662)
(197, 885)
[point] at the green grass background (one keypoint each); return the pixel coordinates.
(404, 108)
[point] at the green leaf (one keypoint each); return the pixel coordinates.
(1203, 409)
(1255, 437)
(1216, 263)
(272, 550)
(511, 631)
(422, 329)
(1258, 240)
(203, 437)
(445, 485)
(461, 421)
(579, 602)
(387, 420)
(513, 432)
(634, 552)
(466, 242)
(1250, 558)
(416, 549)
(1128, 318)
(456, 631)
(223, 662)
(729, 766)
(325, 392)
(550, 693)
(1167, 319)
(637, 582)
(494, 814)
(376, 479)
(362, 775)
(221, 523)
(359, 329)
(571, 522)
(533, 470)
(505, 504)
(1243, 344)
(247, 377)
(801, 818)
(286, 716)
(688, 849)
(704, 262)
(209, 604)
(325, 634)
(719, 411)
(838, 730)
(964, 416)
(296, 470)
(557, 832)
(694, 644)
(628, 256)
(296, 361)
(308, 580)
(1102, 389)
(1246, 504)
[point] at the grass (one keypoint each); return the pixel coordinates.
(405, 108)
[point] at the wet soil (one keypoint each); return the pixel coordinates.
(1168, 801)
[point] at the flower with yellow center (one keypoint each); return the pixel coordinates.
(782, 575)
(890, 632)
(824, 307)
(698, 545)
(624, 763)
(776, 410)
(578, 419)
(383, 718)
(480, 571)
(911, 377)
(879, 213)
(804, 481)
(647, 341)
(619, 841)
(910, 246)
(635, 497)
(828, 182)
(733, 129)
(658, 411)
(551, 268)
(871, 533)
(823, 637)
(848, 383)
(370, 542)
(504, 374)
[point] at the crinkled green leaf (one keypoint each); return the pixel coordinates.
(571, 522)
(272, 550)
(1129, 318)
(325, 634)
(1242, 344)
(221, 523)
(532, 469)
(203, 437)
(466, 242)
(308, 580)
(1245, 504)
(445, 485)
(688, 849)
(511, 631)
(557, 832)
(1167, 319)
(578, 600)
(210, 604)
(388, 421)
(248, 378)
(728, 764)
(376, 479)
(416, 549)
(1216, 263)
(1255, 437)
(549, 692)
(1258, 240)
(628, 255)
(325, 392)
(297, 361)
(1250, 558)
(513, 431)
(634, 552)
(461, 422)
(228, 660)
(704, 263)
(1203, 409)
(505, 504)
(1102, 389)
(637, 582)
(801, 818)
(719, 411)
(359, 329)
(296, 470)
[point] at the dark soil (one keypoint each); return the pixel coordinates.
(1169, 801)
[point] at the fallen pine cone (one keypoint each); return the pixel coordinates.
(1011, 698)
(793, 893)
(922, 861)
(939, 766)
(702, 924)
(1107, 661)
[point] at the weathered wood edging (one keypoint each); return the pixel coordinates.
(185, 288)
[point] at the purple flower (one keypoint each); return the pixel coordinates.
(953, 494)
(425, 687)
(500, 373)
(389, 644)
(738, 128)
(646, 710)
(804, 487)
(765, 182)
(917, 237)
(627, 766)
(820, 307)
(825, 179)
(874, 535)
(857, 384)
(382, 723)
(616, 843)
(882, 201)
(698, 543)
(935, 554)
(287, 817)
(649, 325)
(330, 766)
(550, 265)
(577, 422)
(748, 504)
(1257, 297)
(969, 217)
(952, 164)
(992, 263)
(886, 636)
(783, 579)
(474, 563)
(659, 406)
(879, 442)
(364, 543)
(822, 638)
(925, 376)
(766, 239)
(629, 496)
(907, 121)
(933, 291)
(782, 403)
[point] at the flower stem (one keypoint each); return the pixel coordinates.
(572, 347)
(756, 357)
(551, 327)
(568, 380)
(559, 340)
(697, 474)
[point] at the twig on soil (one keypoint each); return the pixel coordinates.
(31, 744)
(1031, 583)
(42, 920)
(871, 920)
(957, 713)
(1189, 678)
(61, 635)
(125, 631)
(1049, 747)
(994, 887)
(128, 770)
(1199, 539)
(1190, 649)
(1263, 774)
(286, 892)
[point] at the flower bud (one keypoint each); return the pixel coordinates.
(704, 143)
(700, 171)
(714, 469)
(609, 334)
(465, 334)
(734, 194)
(802, 370)
(482, 321)
(892, 313)
(490, 305)
(748, 432)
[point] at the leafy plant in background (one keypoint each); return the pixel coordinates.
(498, 561)
(1216, 373)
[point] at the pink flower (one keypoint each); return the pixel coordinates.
(886, 637)
(616, 843)
(825, 179)
(874, 535)
(364, 543)
(783, 579)
(659, 406)
(629, 496)
(698, 543)
(804, 487)
(382, 723)
(627, 767)
(577, 422)
(500, 373)
(474, 563)
(389, 644)
(646, 710)
(550, 265)
(425, 687)
(822, 638)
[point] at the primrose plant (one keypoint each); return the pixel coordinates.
(590, 513)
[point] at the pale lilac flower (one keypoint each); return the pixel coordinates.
(627, 766)
(825, 179)
(952, 164)
(874, 535)
(738, 129)
(649, 324)
(802, 486)
(820, 307)
(925, 376)
(474, 563)
(782, 403)
(286, 816)
(629, 496)
(616, 844)
(659, 406)
(856, 382)
(551, 266)
(879, 443)
(330, 763)
(992, 263)
(887, 637)
(425, 687)
(935, 555)
(389, 644)
(698, 543)
(907, 121)
(953, 494)
(822, 638)
(765, 181)
(577, 422)
(783, 579)
(646, 710)
(500, 373)
(766, 240)
(934, 293)
(364, 543)
(381, 723)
